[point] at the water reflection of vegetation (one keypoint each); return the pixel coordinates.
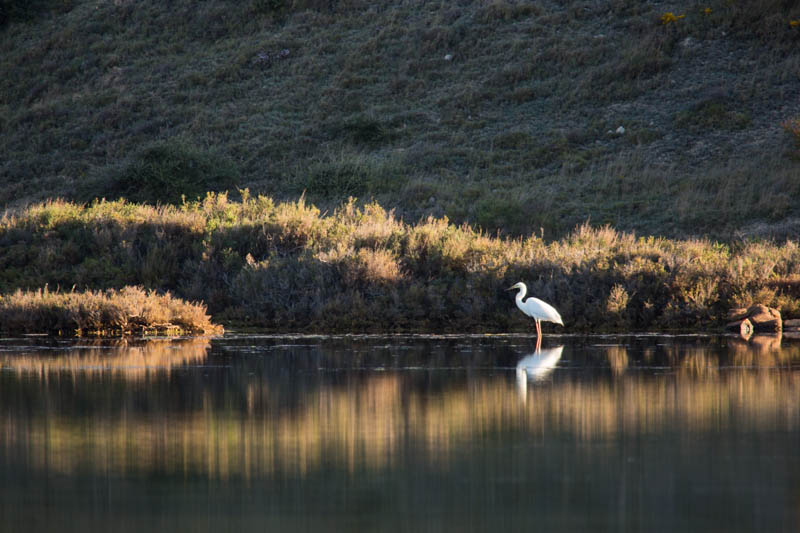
(131, 358)
(368, 422)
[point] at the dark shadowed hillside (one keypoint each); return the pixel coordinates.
(508, 115)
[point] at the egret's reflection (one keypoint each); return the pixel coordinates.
(536, 367)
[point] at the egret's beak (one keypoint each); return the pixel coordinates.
(511, 288)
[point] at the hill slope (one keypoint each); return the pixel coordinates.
(503, 114)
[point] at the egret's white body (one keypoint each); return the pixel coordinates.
(536, 309)
(536, 366)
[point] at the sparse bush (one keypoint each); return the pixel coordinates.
(617, 299)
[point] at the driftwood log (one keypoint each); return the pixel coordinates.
(762, 319)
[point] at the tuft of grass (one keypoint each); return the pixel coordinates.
(130, 310)
(715, 113)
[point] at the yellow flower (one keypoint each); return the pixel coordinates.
(794, 23)
(707, 11)
(669, 16)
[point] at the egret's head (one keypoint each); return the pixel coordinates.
(515, 286)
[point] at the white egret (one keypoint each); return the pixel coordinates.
(536, 309)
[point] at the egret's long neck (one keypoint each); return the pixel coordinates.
(521, 294)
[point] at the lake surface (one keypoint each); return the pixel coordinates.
(400, 433)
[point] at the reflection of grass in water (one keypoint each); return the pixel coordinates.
(370, 424)
(700, 364)
(617, 358)
(131, 359)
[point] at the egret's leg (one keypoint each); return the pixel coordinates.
(538, 344)
(538, 330)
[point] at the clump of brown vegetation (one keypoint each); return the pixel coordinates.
(287, 266)
(130, 310)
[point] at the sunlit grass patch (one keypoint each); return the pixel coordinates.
(131, 310)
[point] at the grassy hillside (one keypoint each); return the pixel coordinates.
(286, 266)
(500, 113)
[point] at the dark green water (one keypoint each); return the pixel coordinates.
(612, 433)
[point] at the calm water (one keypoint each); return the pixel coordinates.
(406, 433)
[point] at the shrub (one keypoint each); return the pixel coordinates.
(167, 172)
(113, 312)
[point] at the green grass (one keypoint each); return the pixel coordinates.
(154, 101)
(167, 172)
(713, 113)
(287, 266)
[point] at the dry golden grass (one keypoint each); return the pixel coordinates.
(130, 310)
